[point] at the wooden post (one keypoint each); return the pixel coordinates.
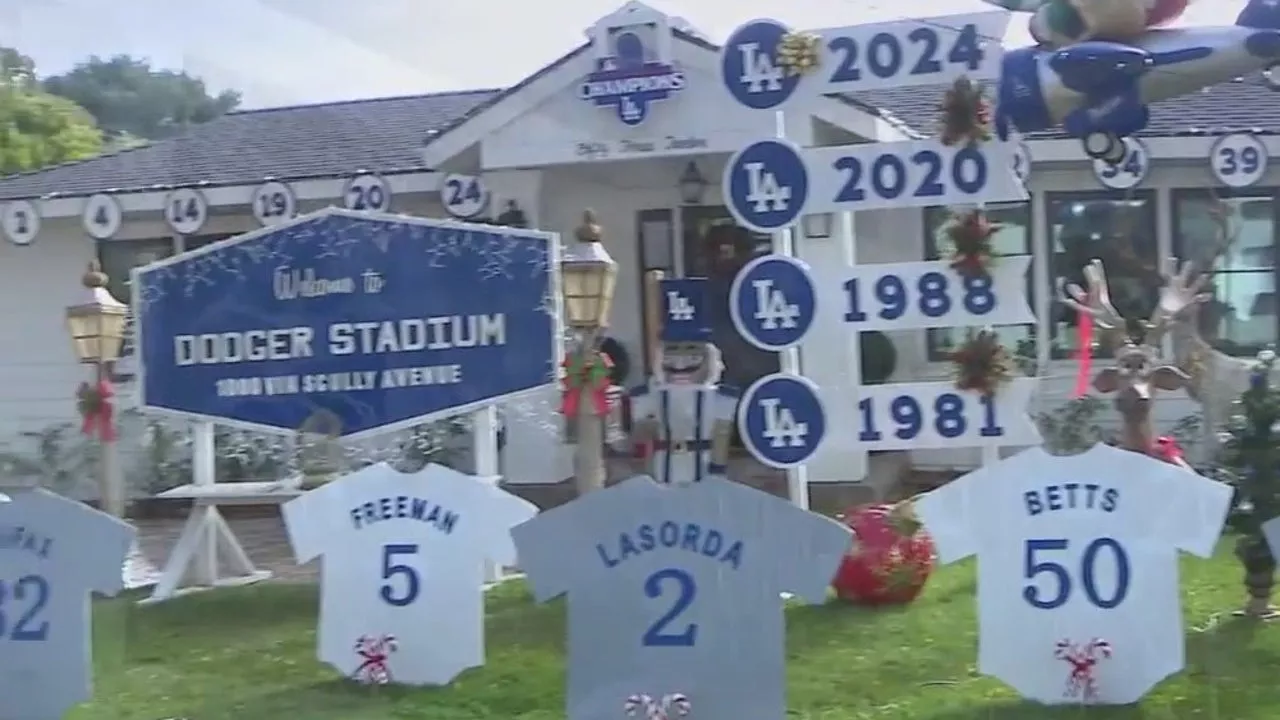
(653, 318)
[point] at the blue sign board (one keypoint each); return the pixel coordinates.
(766, 185)
(781, 420)
(630, 80)
(772, 302)
(383, 321)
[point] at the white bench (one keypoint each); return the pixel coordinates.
(206, 532)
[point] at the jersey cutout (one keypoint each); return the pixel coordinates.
(1078, 597)
(675, 589)
(401, 594)
(53, 552)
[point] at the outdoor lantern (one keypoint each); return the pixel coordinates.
(588, 275)
(692, 184)
(97, 321)
(817, 225)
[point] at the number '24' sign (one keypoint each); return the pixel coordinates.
(921, 295)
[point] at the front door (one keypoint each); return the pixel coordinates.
(715, 248)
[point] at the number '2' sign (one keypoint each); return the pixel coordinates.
(920, 295)
(936, 415)
(916, 173)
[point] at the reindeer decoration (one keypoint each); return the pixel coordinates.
(1137, 371)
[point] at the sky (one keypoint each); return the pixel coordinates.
(289, 52)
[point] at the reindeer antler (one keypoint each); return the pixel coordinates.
(1096, 303)
(1182, 290)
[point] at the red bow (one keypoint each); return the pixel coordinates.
(1168, 450)
(96, 410)
(1085, 355)
(590, 375)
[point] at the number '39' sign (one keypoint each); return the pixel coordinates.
(920, 295)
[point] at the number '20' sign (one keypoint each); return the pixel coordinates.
(367, 192)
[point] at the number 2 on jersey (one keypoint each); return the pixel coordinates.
(1034, 566)
(403, 591)
(678, 584)
(24, 600)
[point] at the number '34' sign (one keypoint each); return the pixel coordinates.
(920, 295)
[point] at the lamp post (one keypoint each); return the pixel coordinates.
(588, 275)
(693, 185)
(97, 322)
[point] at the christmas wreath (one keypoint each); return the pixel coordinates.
(96, 410)
(966, 114)
(981, 364)
(589, 375)
(970, 235)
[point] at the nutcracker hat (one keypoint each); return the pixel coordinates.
(685, 316)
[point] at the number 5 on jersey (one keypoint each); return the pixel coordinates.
(400, 581)
(1053, 559)
(677, 587)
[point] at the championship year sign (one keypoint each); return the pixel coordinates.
(901, 53)
(380, 321)
(923, 295)
(770, 184)
(907, 416)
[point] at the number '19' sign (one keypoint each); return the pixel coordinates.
(920, 295)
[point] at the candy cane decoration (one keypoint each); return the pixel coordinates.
(1081, 682)
(673, 705)
(374, 653)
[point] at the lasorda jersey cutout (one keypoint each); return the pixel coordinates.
(53, 553)
(675, 589)
(401, 594)
(1077, 567)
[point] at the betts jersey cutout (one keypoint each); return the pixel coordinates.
(401, 587)
(53, 553)
(674, 589)
(1077, 567)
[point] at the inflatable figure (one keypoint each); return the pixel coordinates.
(1099, 90)
(682, 419)
(1058, 23)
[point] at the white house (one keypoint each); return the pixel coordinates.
(542, 149)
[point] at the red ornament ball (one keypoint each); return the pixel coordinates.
(891, 559)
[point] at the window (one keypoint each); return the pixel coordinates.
(198, 241)
(1240, 318)
(1013, 238)
(118, 257)
(1120, 230)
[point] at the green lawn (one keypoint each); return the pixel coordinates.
(248, 654)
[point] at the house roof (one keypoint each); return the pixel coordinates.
(386, 135)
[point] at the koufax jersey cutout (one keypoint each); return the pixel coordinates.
(401, 587)
(53, 553)
(675, 589)
(1078, 597)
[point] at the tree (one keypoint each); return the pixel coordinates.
(129, 97)
(36, 128)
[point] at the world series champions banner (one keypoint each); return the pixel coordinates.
(380, 320)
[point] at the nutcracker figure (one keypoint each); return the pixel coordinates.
(682, 419)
